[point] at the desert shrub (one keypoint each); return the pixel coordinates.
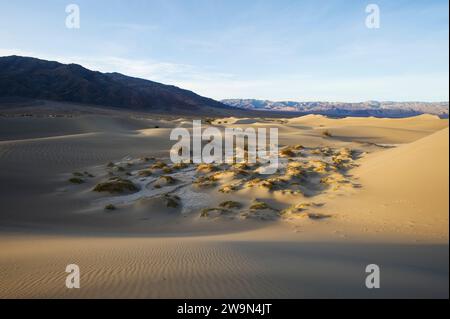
(326, 151)
(287, 152)
(207, 212)
(116, 185)
(327, 133)
(257, 205)
(228, 189)
(267, 184)
(315, 216)
(241, 166)
(167, 170)
(172, 201)
(110, 207)
(253, 182)
(76, 180)
(168, 179)
(320, 167)
(206, 168)
(145, 173)
(159, 165)
(110, 164)
(180, 166)
(78, 174)
(294, 169)
(296, 209)
(230, 204)
(205, 181)
(240, 172)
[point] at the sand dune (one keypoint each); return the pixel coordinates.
(388, 206)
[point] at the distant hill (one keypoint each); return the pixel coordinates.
(369, 108)
(32, 78)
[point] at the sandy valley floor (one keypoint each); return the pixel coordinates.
(370, 191)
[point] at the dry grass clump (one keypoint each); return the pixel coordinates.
(253, 182)
(297, 147)
(315, 216)
(327, 133)
(147, 159)
(76, 180)
(180, 165)
(88, 174)
(110, 207)
(298, 208)
(241, 166)
(167, 179)
(145, 173)
(287, 152)
(346, 152)
(260, 211)
(228, 188)
(206, 168)
(158, 165)
(172, 201)
(116, 185)
(272, 183)
(269, 184)
(167, 170)
(291, 151)
(206, 181)
(334, 179)
(343, 159)
(294, 169)
(209, 120)
(258, 205)
(240, 172)
(214, 212)
(327, 180)
(319, 166)
(230, 205)
(326, 151)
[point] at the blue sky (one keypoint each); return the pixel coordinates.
(266, 49)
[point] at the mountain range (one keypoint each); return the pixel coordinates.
(33, 78)
(369, 108)
(36, 79)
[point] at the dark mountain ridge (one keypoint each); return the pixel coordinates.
(48, 80)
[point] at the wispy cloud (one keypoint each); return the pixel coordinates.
(134, 27)
(162, 71)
